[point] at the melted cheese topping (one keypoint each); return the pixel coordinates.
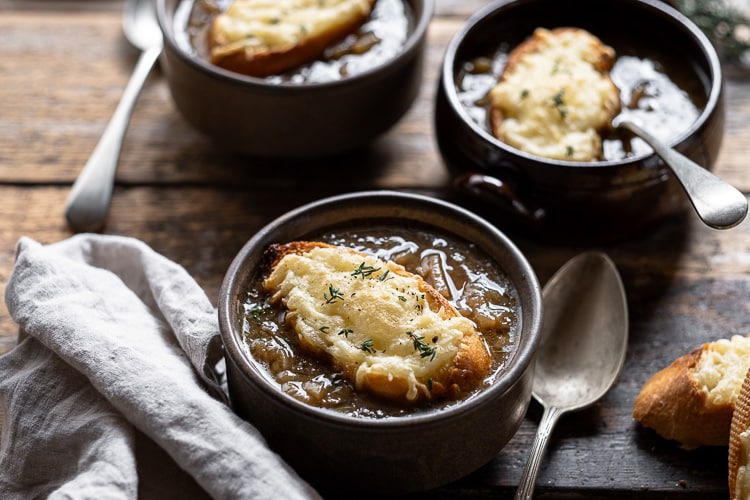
(555, 101)
(262, 25)
(369, 316)
(722, 368)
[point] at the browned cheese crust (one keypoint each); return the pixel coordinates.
(470, 365)
(603, 63)
(552, 114)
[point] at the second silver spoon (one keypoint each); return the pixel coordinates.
(584, 340)
(719, 204)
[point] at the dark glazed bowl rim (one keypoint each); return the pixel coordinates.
(447, 77)
(405, 56)
(518, 365)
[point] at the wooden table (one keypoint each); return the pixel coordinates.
(63, 66)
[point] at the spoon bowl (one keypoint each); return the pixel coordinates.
(583, 346)
(139, 24)
(87, 206)
(719, 204)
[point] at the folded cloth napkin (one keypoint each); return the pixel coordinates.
(114, 389)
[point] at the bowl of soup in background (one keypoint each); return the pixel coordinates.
(332, 105)
(398, 450)
(659, 53)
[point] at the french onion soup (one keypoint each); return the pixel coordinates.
(376, 322)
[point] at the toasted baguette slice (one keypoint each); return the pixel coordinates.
(267, 37)
(692, 400)
(739, 445)
(386, 329)
(555, 95)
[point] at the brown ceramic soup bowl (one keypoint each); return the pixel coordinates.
(276, 117)
(608, 198)
(423, 447)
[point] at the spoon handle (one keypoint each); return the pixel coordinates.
(88, 202)
(543, 433)
(719, 204)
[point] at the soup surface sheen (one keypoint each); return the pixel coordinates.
(663, 100)
(379, 39)
(458, 269)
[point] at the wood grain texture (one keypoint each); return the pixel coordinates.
(63, 66)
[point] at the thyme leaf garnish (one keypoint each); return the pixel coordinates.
(364, 270)
(333, 295)
(558, 102)
(367, 346)
(345, 332)
(424, 349)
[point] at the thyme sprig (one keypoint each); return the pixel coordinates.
(364, 270)
(332, 295)
(558, 101)
(367, 346)
(422, 347)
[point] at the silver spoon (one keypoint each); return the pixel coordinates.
(88, 202)
(584, 339)
(719, 204)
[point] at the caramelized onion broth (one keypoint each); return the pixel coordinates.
(459, 270)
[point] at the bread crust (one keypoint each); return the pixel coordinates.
(470, 365)
(276, 60)
(672, 404)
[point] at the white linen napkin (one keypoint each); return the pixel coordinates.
(114, 388)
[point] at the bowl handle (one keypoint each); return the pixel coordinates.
(498, 192)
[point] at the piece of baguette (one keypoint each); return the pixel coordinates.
(387, 330)
(692, 400)
(267, 37)
(739, 445)
(555, 96)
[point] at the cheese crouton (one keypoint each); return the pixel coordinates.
(387, 330)
(267, 37)
(555, 95)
